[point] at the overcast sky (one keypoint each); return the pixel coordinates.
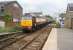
(52, 7)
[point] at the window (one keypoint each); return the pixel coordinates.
(2, 9)
(70, 8)
(26, 17)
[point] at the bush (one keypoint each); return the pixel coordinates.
(56, 24)
(14, 29)
(2, 29)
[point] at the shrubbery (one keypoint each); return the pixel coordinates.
(56, 24)
(2, 29)
(8, 29)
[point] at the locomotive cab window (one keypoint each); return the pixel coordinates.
(26, 17)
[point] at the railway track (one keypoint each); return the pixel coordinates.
(38, 42)
(5, 37)
(33, 41)
(8, 40)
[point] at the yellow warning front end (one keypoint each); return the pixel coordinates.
(26, 24)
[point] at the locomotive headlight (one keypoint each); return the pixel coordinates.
(29, 27)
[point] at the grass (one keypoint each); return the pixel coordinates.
(14, 29)
(2, 30)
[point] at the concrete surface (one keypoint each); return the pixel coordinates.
(59, 39)
(4, 33)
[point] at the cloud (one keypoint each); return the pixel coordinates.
(47, 6)
(7, 0)
(70, 1)
(43, 4)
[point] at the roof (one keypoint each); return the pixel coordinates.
(70, 4)
(9, 2)
(70, 7)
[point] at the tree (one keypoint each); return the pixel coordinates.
(49, 17)
(62, 15)
(8, 20)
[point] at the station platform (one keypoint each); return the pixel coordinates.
(59, 39)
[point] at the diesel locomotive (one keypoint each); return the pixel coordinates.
(32, 23)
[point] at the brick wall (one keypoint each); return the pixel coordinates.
(15, 12)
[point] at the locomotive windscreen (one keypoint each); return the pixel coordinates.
(27, 17)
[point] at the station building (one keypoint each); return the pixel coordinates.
(11, 8)
(69, 16)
